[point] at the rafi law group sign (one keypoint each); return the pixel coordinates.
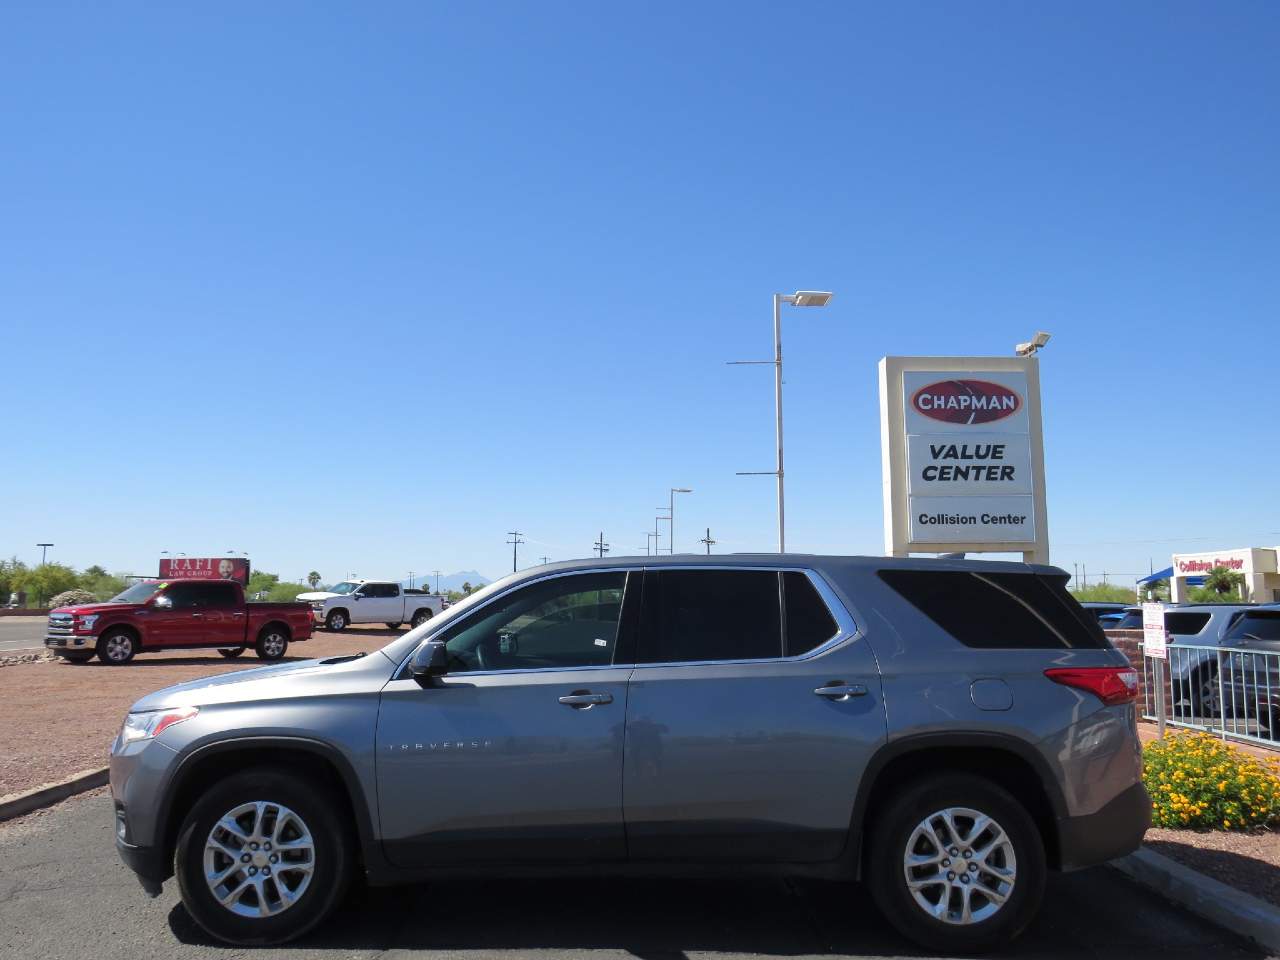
(962, 455)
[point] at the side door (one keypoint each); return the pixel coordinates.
(516, 754)
(380, 603)
(751, 715)
(197, 614)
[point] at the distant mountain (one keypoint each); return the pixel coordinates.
(453, 581)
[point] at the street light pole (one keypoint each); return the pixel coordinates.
(44, 552)
(801, 298)
(671, 515)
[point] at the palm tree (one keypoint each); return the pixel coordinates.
(1223, 581)
(313, 578)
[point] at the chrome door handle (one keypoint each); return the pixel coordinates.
(196, 616)
(841, 691)
(580, 701)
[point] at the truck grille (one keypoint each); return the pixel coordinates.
(60, 625)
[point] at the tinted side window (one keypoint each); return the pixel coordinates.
(1184, 624)
(809, 622)
(380, 590)
(568, 621)
(1132, 620)
(205, 595)
(998, 610)
(700, 615)
(1252, 626)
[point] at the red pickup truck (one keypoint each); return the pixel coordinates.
(176, 615)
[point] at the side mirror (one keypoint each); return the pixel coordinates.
(431, 661)
(163, 603)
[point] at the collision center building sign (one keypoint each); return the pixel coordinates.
(962, 455)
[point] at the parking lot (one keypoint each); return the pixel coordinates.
(59, 871)
(59, 718)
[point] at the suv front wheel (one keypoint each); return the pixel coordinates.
(262, 858)
(957, 864)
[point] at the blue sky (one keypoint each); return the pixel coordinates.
(362, 287)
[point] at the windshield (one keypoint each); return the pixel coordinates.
(344, 588)
(138, 593)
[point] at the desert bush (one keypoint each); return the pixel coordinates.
(69, 598)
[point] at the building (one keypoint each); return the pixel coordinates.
(1256, 564)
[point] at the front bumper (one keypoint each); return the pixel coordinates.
(147, 862)
(70, 641)
(1113, 831)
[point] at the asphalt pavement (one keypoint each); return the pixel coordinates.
(64, 894)
(21, 634)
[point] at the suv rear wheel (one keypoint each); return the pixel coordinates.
(262, 857)
(956, 864)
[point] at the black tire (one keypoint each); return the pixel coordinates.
(886, 875)
(272, 642)
(117, 647)
(336, 620)
(420, 617)
(332, 855)
(77, 657)
(393, 626)
(232, 652)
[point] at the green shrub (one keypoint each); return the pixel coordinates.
(71, 598)
(1197, 780)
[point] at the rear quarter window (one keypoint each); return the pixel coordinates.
(1185, 624)
(999, 611)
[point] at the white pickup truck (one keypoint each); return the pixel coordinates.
(371, 601)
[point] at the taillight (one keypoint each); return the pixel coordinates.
(1111, 685)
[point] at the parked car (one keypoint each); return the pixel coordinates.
(944, 730)
(175, 615)
(1251, 669)
(1102, 608)
(1192, 667)
(372, 601)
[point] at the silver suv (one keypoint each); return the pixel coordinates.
(943, 730)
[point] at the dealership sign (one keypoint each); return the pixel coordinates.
(962, 455)
(205, 568)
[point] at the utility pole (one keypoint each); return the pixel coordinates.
(708, 541)
(656, 548)
(410, 579)
(544, 560)
(601, 547)
(436, 574)
(44, 552)
(515, 542)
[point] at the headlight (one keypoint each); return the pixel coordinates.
(87, 621)
(152, 723)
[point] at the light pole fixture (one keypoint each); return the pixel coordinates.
(1029, 348)
(671, 515)
(44, 552)
(801, 298)
(648, 542)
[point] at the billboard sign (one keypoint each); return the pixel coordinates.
(962, 455)
(205, 568)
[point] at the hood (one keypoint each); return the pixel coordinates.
(282, 681)
(83, 608)
(315, 595)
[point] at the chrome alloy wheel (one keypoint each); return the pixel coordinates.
(959, 866)
(273, 644)
(119, 646)
(259, 859)
(337, 621)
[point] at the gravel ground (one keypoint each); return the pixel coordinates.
(59, 718)
(1246, 861)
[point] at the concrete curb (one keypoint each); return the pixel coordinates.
(1205, 897)
(16, 804)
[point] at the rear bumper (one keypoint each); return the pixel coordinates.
(1113, 831)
